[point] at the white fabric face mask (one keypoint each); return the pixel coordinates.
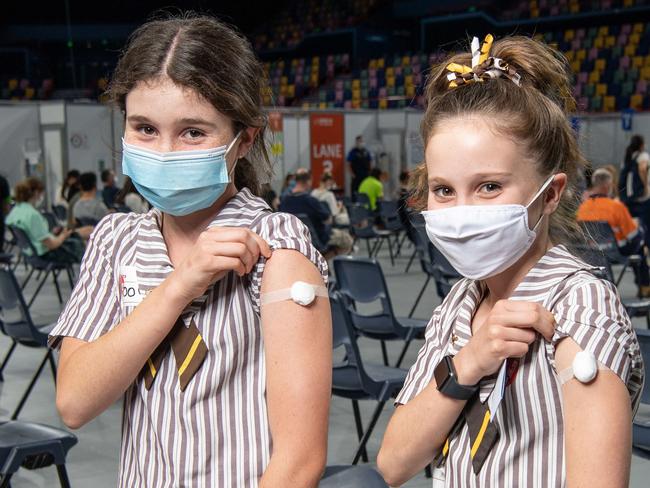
(481, 241)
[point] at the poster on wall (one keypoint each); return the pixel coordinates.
(326, 138)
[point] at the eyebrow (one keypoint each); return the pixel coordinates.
(478, 176)
(135, 118)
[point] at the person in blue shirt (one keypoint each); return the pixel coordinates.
(359, 159)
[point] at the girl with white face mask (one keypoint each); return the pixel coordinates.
(530, 337)
(221, 388)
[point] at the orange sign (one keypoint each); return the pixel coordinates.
(326, 147)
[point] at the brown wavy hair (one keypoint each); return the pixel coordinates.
(213, 59)
(533, 114)
(27, 188)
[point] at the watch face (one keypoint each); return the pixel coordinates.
(441, 373)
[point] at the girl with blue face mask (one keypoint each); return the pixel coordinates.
(530, 335)
(168, 310)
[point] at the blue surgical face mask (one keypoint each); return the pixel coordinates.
(180, 182)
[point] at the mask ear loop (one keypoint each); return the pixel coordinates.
(546, 184)
(225, 155)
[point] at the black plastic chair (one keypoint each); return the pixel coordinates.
(362, 199)
(434, 265)
(84, 221)
(33, 446)
(361, 280)
(52, 221)
(602, 237)
(361, 227)
(355, 380)
(61, 212)
(351, 477)
(634, 308)
(17, 324)
(43, 266)
(388, 212)
(320, 246)
(641, 423)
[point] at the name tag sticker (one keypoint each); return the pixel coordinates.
(129, 287)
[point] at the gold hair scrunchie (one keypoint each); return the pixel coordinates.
(483, 67)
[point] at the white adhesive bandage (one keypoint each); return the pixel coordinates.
(584, 368)
(300, 292)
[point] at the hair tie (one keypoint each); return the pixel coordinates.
(483, 67)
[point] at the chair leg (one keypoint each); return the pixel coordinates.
(369, 429)
(38, 288)
(6, 359)
(377, 247)
(69, 272)
(647, 320)
(368, 246)
(4, 480)
(31, 272)
(384, 353)
(56, 285)
(417, 300)
(359, 424)
(53, 368)
(63, 476)
(408, 266)
(14, 416)
(390, 252)
(407, 343)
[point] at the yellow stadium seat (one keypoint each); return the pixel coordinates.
(390, 81)
(569, 35)
(390, 72)
(356, 94)
(408, 80)
(322, 105)
(283, 90)
(574, 8)
(637, 61)
(29, 93)
(645, 73)
(646, 61)
(603, 30)
(628, 3)
(383, 103)
(356, 103)
(599, 42)
(381, 63)
(291, 91)
(406, 60)
(610, 41)
(284, 80)
(315, 60)
(13, 84)
(630, 50)
(372, 64)
(575, 66)
(294, 62)
(410, 91)
(638, 27)
(305, 106)
(636, 101)
(570, 55)
(634, 39)
(581, 54)
(594, 77)
(600, 64)
(356, 84)
(601, 89)
(609, 103)
(534, 13)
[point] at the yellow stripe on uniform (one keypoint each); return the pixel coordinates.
(481, 433)
(445, 449)
(152, 368)
(190, 355)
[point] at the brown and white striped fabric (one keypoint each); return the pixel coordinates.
(216, 432)
(530, 448)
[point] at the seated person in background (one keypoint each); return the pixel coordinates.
(88, 207)
(403, 195)
(599, 205)
(325, 194)
(373, 187)
(299, 201)
(65, 247)
(110, 189)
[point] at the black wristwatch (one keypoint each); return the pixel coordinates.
(447, 381)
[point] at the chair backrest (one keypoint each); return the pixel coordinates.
(389, 214)
(360, 221)
(644, 342)
(598, 259)
(16, 319)
(83, 221)
(52, 222)
(318, 244)
(60, 212)
(601, 236)
(362, 199)
(360, 279)
(22, 240)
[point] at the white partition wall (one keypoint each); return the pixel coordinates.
(19, 129)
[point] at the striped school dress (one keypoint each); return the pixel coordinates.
(216, 431)
(530, 448)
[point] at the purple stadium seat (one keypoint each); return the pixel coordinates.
(583, 77)
(626, 28)
(577, 90)
(624, 62)
(622, 40)
(372, 83)
(382, 92)
(339, 96)
(593, 54)
(641, 87)
(576, 44)
(348, 104)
